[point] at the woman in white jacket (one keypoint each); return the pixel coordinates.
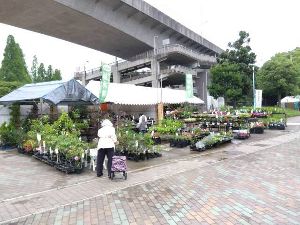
(106, 144)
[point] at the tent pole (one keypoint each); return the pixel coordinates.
(41, 104)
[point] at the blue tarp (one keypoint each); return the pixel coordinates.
(54, 92)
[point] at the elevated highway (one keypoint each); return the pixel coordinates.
(123, 28)
(139, 34)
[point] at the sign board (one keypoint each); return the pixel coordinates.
(189, 85)
(166, 41)
(258, 98)
(106, 73)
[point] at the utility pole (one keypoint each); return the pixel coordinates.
(253, 80)
(160, 107)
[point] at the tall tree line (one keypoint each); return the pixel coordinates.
(14, 72)
(231, 77)
(40, 74)
(280, 76)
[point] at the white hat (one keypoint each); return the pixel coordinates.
(107, 123)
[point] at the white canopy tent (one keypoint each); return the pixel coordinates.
(130, 94)
(288, 99)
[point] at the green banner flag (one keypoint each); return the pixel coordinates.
(106, 73)
(189, 85)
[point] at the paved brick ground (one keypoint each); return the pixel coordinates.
(251, 182)
(16, 168)
(262, 187)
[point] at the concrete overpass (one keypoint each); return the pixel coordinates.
(123, 28)
(129, 29)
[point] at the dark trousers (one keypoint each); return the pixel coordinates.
(109, 152)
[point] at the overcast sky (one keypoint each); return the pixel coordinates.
(273, 27)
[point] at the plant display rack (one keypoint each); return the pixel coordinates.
(60, 163)
(135, 146)
(212, 140)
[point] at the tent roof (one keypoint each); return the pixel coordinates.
(130, 94)
(55, 92)
(289, 99)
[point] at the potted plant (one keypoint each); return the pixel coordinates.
(29, 146)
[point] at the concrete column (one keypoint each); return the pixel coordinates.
(201, 86)
(116, 75)
(155, 70)
(83, 79)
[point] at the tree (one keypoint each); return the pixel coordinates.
(227, 82)
(7, 87)
(279, 77)
(13, 66)
(49, 73)
(41, 73)
(56, 75)
(34, 69)
(294, 57)
(235, 64)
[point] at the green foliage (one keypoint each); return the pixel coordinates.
(7, 87)
(34, 69)
(65, 125)
(292, 113)
(49, 73)
(10, 135)
(226, 82)
(63, 134)
(40, 74)
(239, 53)
(15, 115)
(268, 110)
(167, 126)
(132, 142)
(56, 75)
(79, 115)
(280, 76)
(186, 111)
(214, 139)
(13, 66)
(26, 123)
(234, 69)
(125, 136)
(70, 145)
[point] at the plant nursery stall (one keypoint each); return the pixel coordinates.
(134, 100)
(57, 143)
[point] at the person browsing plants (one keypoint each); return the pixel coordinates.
(142, 125)
(106, 144)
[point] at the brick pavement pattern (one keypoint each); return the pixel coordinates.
(262, 187)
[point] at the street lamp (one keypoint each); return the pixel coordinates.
(154, 44)
(84, 78)
(253, 85)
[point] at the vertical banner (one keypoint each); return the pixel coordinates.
(258, 98)
(106, 73)
(189, 85)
